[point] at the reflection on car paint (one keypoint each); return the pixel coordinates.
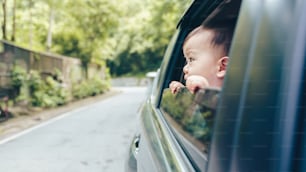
(164, 158)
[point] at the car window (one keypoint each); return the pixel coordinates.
(191, 115)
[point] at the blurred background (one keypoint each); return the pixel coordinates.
(54, 52)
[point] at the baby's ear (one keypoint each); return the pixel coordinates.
(222, 66)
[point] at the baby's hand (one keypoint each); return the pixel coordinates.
(175, 86)
(196, 82)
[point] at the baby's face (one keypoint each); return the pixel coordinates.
(201, 56)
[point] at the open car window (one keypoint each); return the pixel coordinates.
(191, 116)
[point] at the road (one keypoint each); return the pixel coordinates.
(94, 138)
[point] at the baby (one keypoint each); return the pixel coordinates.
(206, 52)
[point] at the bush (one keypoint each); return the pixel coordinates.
(19, 78)
(90, 87)
(48, 93)
(35, 82)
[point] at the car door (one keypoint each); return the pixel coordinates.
(260, 121)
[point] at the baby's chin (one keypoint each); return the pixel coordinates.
(185, 77)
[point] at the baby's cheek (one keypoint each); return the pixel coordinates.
(197, 70)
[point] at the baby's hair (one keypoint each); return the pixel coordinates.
(223, 34)
(224, 30)
(222, 37)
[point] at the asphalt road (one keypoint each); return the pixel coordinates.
(89, 139)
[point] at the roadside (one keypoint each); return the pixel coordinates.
(129, 81)
(24, 121)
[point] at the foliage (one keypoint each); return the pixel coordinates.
(50, 93)
(68, 43)
(19, 77)
(35, 82)
(85, 42)
(90, 87)
(143, 39)
(193, 118)
(130, 35)
(176, 104)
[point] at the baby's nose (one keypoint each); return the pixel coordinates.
(185, 69)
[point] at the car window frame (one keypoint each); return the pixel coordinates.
(166, 69)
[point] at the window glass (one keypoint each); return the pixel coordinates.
(191, 115)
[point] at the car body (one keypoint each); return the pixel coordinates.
(258, 120)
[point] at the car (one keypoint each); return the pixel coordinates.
(256, 121)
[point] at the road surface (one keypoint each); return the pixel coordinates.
(89, 139)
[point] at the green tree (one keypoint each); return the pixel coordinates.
(13, 35)
(144, 37)
(131, 35)
(53, 8)
(3, 26)
(92, 22)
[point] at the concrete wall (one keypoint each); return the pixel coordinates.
(46, 64)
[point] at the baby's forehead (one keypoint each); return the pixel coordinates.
(200, 35)
(202, 41)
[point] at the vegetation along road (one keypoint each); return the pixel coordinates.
(91, 138)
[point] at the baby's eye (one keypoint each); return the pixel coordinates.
(190, 59)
